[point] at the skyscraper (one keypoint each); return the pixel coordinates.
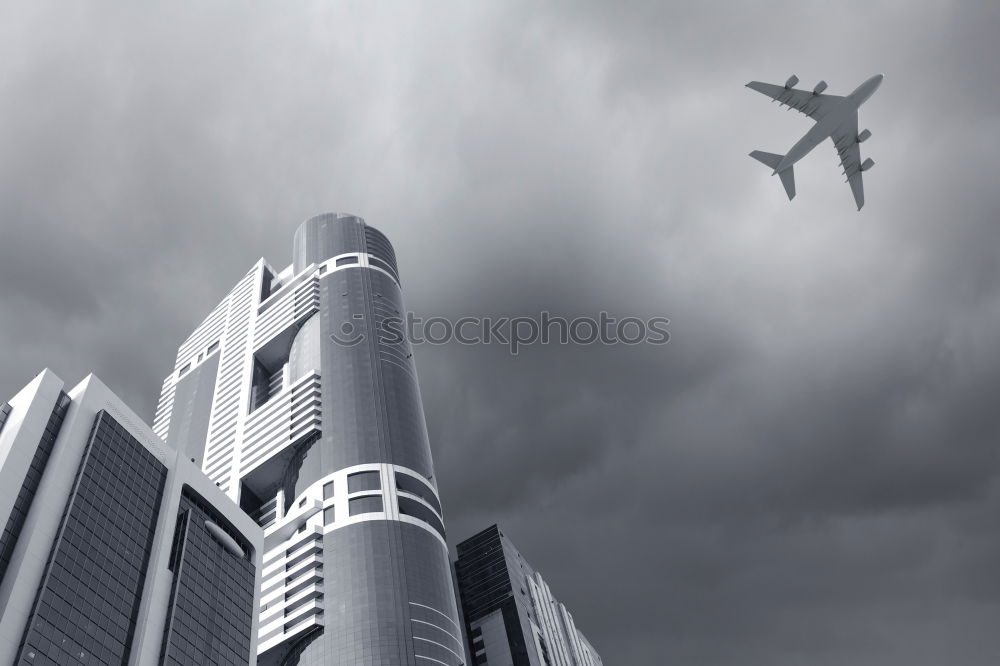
(116, 549)
(511, 617)
(298, 408)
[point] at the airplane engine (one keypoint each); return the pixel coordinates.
(867, 164)
(792, 80)
(820, 87)
(864, 136)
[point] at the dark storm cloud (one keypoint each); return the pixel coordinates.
(806, 473)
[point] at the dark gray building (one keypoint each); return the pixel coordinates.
(297, 400)
(511, 617)
(115, 549)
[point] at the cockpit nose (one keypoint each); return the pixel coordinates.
(868, 88)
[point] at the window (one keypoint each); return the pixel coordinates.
(302, 502)
(328, 515)
(378, 263)
(414, 486)
(212, 347)
(347, 261)
(328, 490)
(363, 481)
(116, 500)
(267, 382)
(411, 507)
(366, 504)
(322, 269)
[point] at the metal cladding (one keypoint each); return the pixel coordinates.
(511, 616)
(324, 236)
(318, 431)
(128, 553)
(353, 306)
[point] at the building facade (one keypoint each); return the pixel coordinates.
(300, 408)
(511, 617)
(116, 549)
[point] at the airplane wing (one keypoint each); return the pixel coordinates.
(845, 139)
(804, 101)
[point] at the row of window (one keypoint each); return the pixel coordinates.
(32, 478)
(371, 480)
(378, 263)
(372, 261)
(374, 504)
(478, 646)
(343, 261)
(212, 348)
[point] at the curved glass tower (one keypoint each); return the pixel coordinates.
(299, 405)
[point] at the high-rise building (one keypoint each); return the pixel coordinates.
(298, 405)
(511, 617)
(116, 549)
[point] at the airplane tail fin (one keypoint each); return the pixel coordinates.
(787, 175)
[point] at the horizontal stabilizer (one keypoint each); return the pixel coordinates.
(788, 180)
(770, 159)
(787, 175)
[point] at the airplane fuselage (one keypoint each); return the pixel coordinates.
(845, 111)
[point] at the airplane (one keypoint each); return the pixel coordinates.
(836, 117)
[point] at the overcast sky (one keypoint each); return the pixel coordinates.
(808, 473)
